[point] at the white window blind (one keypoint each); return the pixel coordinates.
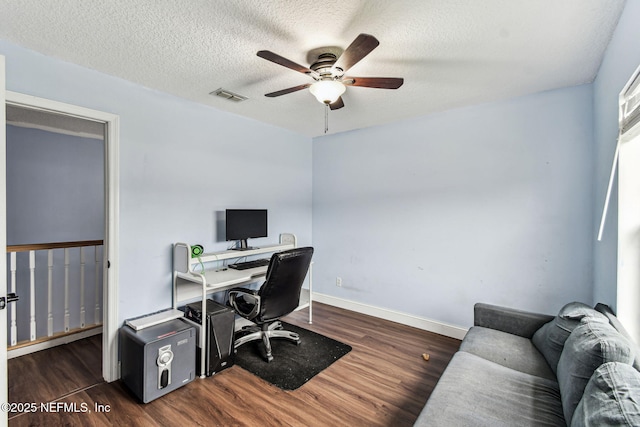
(629, 125)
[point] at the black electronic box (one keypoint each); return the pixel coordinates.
(219, 325)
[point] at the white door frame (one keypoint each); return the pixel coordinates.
(110, 258)
(4, 384)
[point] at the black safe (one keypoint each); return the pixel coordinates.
(157, 359)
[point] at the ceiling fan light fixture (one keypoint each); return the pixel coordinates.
(327, 91)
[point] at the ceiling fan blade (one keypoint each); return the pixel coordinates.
(338, 104)
(377, 82)
(274, 57)
(288, 90)
(358, 49)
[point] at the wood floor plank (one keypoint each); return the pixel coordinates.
(46, 375)
(383, 381)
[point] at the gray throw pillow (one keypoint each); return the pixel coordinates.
(591, 344)
(611, 398)
(550, 338)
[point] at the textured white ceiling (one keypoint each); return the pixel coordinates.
(451, 53)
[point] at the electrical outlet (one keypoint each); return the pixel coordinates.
(339, 281)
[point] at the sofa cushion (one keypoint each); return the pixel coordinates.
(550, 338)
(510, 320)
(474, 391)
(508, 350)
(615, 322)
(591, 344)
(611, 398)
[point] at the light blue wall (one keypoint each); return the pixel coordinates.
(55, 187)
(620, 61)
(55, 193)
(180, 164)
(490, 203)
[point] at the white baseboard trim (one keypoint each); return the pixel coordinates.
(394, 316)
(53, 343)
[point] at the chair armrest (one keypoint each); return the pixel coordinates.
(244, 290)
(517, 322)
(250, 305)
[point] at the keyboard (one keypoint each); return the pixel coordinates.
(250, 264)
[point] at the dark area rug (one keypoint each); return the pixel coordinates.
(292, 365)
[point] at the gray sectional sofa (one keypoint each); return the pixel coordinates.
(516, 368)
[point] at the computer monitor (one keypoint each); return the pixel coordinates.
(243, 224)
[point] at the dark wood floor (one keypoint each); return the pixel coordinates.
(383, 381)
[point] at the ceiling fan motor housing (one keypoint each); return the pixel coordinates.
(324, 66)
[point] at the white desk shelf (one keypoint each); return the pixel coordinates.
(191, 283)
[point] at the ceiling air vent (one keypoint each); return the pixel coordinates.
(227, 94)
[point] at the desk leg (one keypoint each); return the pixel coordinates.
(311, 293)
(203, 330)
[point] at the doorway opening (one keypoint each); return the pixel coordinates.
(86, 122)
(55, 228)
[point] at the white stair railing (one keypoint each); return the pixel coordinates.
(82, 312)
(97, 296)
(50, 292)
(13, 333)
(32, 295)
(73, 285)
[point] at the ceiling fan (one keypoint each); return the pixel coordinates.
(329, 72)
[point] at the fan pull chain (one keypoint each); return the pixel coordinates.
(326, 118)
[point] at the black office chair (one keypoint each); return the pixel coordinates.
(278, 296)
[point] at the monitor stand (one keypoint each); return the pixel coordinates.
(242, 246)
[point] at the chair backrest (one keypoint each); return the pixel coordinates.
(280, 293)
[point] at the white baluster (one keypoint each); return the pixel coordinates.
(66, 289)
(82, 287)
(98, 317)
(32, 296)
(14, 325)
(50, 293)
